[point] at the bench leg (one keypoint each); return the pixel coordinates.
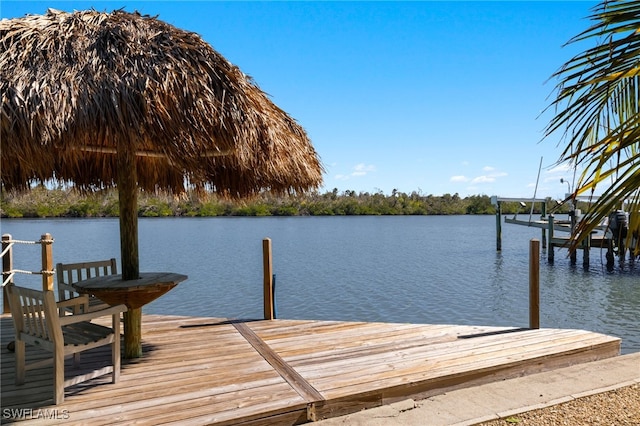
(20, 361)
(58, 376)
(115, 349)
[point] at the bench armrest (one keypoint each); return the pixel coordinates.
(80, 300)
(112, 310)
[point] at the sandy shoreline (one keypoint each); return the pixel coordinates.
(616, 407)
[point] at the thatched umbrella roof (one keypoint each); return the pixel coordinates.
(75, 84)
(77, 88)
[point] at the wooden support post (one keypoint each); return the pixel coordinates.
(46, 242)
(573, 256)
(7, 267)
(534, 284)
(498, 227)
(128, 204)
(550, 254)
(544, 231)
(132, 333)
(572, 251)
(586, 246)
(267, 264)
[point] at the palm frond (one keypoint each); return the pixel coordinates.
(598, 112)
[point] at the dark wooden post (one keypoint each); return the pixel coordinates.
(7, 267)
(544, 231)
(132, 333)
(586, 249)
(534, 284)
(267, 264)
(498, 226)
(128, 203)
(572, 250)
(550, 253)
(46, 242)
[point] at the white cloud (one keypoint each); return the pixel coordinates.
(560, 168)
(564, 172)
(459, 178)
(483, 179)
(489, 177)
(359, 170)
(363, 169)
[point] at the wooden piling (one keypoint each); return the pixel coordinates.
(534, 284)
(550, 251)
(497, 203)
(7, 267)
(544, 233)
(267, 264)
(586, 246)
(498, 227)
(573, 256)
(46, 242)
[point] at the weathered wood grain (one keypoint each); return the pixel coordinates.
(197, 370)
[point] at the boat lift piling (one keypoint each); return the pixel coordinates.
(549, 227)
(497, 201)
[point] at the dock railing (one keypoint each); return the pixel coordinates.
(8, 272)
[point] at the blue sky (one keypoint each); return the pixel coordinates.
(437, 97)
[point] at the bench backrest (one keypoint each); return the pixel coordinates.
(35, 313)
(69, 273)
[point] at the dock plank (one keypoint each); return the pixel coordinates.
(199, 370)
(414, 370)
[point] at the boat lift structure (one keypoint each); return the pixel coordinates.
(497, 203)
(549, 228)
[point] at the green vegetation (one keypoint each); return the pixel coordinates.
(43, 202)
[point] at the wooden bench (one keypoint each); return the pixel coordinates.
(69, 273)
(37, 322)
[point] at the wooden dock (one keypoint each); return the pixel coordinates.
(202, 371)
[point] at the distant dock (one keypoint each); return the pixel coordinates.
(549, 228)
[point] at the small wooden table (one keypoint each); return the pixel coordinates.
(133, 293)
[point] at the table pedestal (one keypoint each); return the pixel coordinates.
(112, 289)
(133, 333)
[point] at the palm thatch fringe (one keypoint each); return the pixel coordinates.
(75, 84)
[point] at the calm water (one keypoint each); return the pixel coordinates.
(419, 269)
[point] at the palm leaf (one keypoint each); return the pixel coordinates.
(598, 113)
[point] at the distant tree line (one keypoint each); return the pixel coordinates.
(64, 202)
